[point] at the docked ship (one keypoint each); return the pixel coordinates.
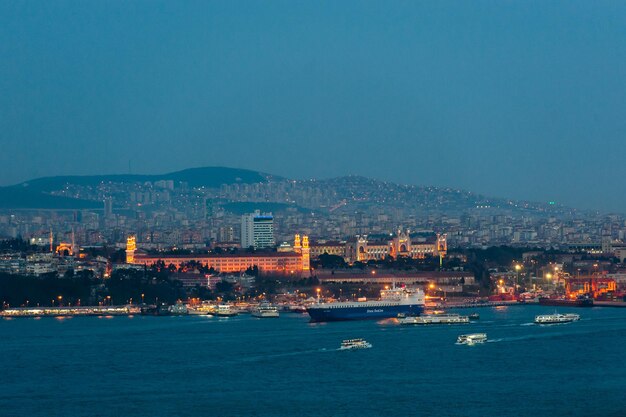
(556, 318)
(392, 302)
(178, 310)
(225, 310)
(435, 319)
(265, 311)
(565, 302)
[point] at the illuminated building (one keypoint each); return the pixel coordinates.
(257, 230)
(288, 263)
(363, 249)
(131, 247)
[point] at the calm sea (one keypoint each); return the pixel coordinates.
(244, 366)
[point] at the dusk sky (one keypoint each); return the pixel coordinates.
(522, 99)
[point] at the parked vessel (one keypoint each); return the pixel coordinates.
(225, 310)
(565, 302)
(392, 302)
(178, 310)
(473, 316)
(471, 339)
(196, 312)
(354, 344)
(435, 319)
(265, 310)
(556, 318)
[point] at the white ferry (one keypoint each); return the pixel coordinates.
(225, 310)
(265, 310)
(556, 318)
(354, 344)
(471, 339)
(435, 319)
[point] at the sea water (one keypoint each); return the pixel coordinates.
(245, 366)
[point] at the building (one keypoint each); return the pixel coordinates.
(257, 230)
(363, 248)
(296, 263)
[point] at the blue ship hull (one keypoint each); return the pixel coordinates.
(362, 313)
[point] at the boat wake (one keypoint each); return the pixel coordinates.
(284, 354)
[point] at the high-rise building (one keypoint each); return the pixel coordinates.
(257, 230)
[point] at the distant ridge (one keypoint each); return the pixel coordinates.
(195, 177)
(32, 194)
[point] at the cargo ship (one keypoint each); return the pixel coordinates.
(392, 302)
(565, 302)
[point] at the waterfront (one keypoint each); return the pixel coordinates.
(111, 366)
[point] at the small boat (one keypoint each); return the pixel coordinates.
(473, 316)
(435, 319)
(349, 344)
(556, 318)
(265, 310)
(471, 339)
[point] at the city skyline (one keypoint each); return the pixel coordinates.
(519, 100)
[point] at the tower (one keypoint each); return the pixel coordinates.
(442, 247)
(306, 254)
(297, 248)
(131, 246)
(257, 230)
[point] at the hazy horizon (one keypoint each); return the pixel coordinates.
(520, 100)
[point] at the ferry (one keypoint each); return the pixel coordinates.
(265, 310)
(471, 339)
(556, 318)
(349, 344)
(178, 310)
(225, 310)
(392, 302)
(435, 319)
(196, 312)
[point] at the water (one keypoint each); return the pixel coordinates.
(197, 365)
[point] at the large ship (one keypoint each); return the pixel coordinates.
(392, 302)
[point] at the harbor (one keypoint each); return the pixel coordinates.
(206, 358)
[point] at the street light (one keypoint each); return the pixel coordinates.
(518, 267)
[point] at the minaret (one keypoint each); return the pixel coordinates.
(73, 243)
(306, 254)
(51, 241)
(442, 247)
(296, 244)
(131, 246)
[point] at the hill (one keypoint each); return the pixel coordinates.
(33, 194)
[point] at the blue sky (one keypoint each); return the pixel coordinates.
(520, 99)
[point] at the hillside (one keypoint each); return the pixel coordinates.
(33, 194)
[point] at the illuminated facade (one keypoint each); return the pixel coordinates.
(362, 249)
(288, 263)
(131, 247)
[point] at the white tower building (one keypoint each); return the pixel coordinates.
(257, 230)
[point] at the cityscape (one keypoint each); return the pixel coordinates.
(278, 208)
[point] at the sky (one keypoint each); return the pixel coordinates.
(516, 99)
